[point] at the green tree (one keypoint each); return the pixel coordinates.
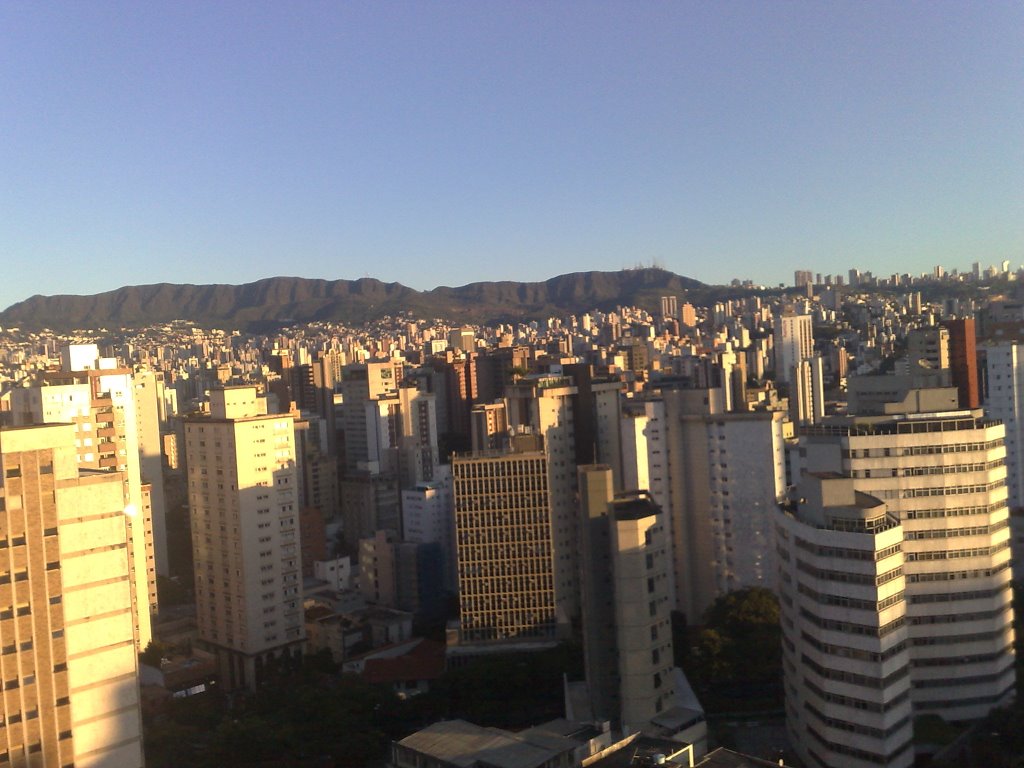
(736, 659)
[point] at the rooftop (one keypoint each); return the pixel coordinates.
(463, 744)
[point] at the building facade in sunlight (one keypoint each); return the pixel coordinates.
(244, 499)
(68, 658)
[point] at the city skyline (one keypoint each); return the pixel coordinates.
(442, 145)
(454, 494)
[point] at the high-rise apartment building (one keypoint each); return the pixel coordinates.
(670, 307)
(147, 390)
(506, 549)
(626, 607)
(417, 435)
(963, 360)
(794, 342)
(243, 494)
(364, 418)
(802, 278)
(943, 476)
(1004, 366)
(846, 657)
(928, 348)
(688, 314)
(723, 474)
(100, 399)
(488, 426)
(69, 659)
(807, 391)
(544, 406)
(428, 517)
(400, 574)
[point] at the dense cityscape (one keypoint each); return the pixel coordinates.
(776, 528)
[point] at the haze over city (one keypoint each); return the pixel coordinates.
(444, 143)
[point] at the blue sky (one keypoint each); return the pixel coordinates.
(439, 143)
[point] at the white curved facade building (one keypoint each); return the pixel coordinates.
(943, 475)
(845, 638)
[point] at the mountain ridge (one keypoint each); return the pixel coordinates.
(275, 301)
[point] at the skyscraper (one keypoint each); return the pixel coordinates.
(721, 477)
(505, 542)
(802, 278)
(1005, 401)
(845, 652)
(243, 494)
(69, 660)
(626, 607)
(943, 475)
(670, 307)
(544, 405)
(964, 361)
(100, 398)
(794, 342)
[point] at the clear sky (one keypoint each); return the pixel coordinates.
(439, 143)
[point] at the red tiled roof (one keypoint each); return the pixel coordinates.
(425, 661)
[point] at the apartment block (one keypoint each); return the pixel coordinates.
(69, 660)
(846, 657)
(100, 399)
(626, 606)
(794, 341)
(943, 475)
(243, 493)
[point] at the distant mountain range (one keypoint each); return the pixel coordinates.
(278, 301)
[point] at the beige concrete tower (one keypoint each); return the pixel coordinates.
(99, 399)
(68, 660)
(243, 493)
(626, 583)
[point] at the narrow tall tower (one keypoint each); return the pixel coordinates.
(794, 341)
(626, 608)
(963, 359)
